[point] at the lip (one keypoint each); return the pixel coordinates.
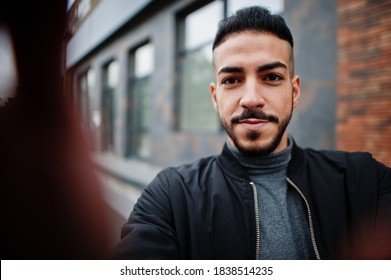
(253, 124)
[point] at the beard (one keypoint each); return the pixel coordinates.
(252, 135)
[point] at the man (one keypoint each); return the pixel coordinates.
(263, 197)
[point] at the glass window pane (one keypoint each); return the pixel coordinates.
(144, 60)
(113, 74)
(110, 78)
(197, 112)
(84, 98)
(143, 88)
(201, 25)
(90, 81)
(141, 66)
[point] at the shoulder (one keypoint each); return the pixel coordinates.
(358, 161)
(185, 170)
(339, 157)
(185, 173)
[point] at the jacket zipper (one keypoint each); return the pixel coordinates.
(256, 219)
(312, 232)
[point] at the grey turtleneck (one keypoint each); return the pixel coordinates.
(284, 230)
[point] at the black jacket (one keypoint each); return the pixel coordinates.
(206, 210)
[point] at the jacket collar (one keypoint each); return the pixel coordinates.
(232, 166)
(297, 159)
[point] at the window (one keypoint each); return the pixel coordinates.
(110, 82)
(141, 66)
(86, 83)
(196, 31)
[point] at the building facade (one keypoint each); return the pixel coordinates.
(364, 71)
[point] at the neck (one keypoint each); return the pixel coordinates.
(275, 163)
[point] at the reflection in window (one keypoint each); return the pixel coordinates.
(196, 33)
(141, 66)
(110, 81)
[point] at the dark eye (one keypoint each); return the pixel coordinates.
(273, 78)
(230, 81)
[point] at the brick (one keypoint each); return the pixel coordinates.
(364, 71)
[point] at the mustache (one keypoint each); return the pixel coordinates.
(254, 114)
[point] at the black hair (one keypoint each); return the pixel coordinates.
(254, 18)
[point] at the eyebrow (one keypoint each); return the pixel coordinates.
(271, 66)
(266, 67)
(231, 69)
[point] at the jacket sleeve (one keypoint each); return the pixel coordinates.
(379, 246)
(149, 232)
(384, 196)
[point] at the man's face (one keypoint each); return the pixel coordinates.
(255, 92)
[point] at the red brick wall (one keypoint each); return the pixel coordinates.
(364, 77)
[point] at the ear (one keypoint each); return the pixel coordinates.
(296, 90)
(212, 89)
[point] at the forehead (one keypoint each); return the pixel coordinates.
(251, 47)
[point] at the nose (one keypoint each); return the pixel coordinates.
(252, 96)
